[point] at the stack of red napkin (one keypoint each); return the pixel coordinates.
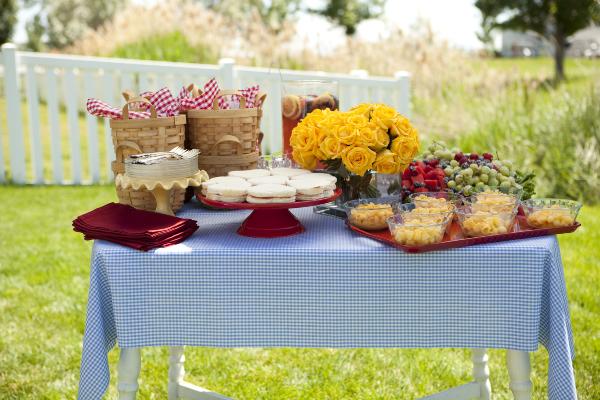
(141, 230)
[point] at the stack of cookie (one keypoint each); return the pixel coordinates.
(277, 185)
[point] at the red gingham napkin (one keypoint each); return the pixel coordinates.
(210, 91)
(164, 103)
(167, 106)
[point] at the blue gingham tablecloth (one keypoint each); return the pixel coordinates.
(327, 287)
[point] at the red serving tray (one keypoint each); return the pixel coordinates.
(269, 220)
(454, 237)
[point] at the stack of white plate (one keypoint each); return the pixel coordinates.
(162, 169)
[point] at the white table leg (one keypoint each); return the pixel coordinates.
(519, 369)
(176, 371)
(481, 373)
(128, 372)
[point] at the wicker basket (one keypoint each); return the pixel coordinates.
(134, 136)
(227, 139)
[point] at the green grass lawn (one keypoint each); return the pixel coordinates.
(44, 270)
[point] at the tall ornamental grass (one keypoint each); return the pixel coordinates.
(559, 141)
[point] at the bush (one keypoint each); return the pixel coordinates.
(168, 47)
(559, 139)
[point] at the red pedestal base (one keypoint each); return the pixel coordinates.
(270, 223)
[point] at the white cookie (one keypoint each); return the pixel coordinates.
(266, 200)
(289, 172)
(250, 173)
(228, 189)
(319, 175)
(271, 193)
(226, 199)
(306, 197)
(279, 180)
(222, 179)
(308, 186)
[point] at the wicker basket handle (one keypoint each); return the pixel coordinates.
(138, 100)
(229, 93)
(126, 145)
(194, 90)
(260, 99)
(225, 139)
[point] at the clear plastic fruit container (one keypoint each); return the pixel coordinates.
(550, 213)
(410, 232)
(475, 222)
(370, 214)
(492, 202)
(444, 199)
(411, 212)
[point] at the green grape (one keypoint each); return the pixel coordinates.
(474, 167)
(438, 153)
(467, 190)
(505, 185)
(486, 188)
(474, 180)
(480, 186)
(484, 178)
(508, 164)
(511, 180)
(493, 172)
(468, 172)
(451, 184)
(454, 163)
(430, 157)
(493, 182)
(505, 171)
(486, 170)
(458, 178)
(448, 171)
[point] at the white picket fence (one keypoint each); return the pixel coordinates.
(48, 91)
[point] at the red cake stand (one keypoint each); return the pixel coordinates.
(269, 220)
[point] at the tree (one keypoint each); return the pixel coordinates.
(349, 13)
(68, 19)
(8, 19)
(273, 13)
(554, 20)
(35, 33)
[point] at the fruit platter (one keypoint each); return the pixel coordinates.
(442, 220)
(464, 173)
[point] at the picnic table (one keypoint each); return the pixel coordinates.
(325, 288)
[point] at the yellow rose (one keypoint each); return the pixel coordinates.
(401, 126)
(330, 147)
(305, 158)
(304, 137)
(386, 163)
(367, 136)
(406, 146)
(357, 121)
(383, 116)
(383, 139)
(358, 159)
(362, 109)
(348, 134)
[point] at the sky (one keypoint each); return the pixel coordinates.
(456, 21)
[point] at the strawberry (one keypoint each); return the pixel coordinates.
(428, 169)
(418, 179)
(406, 183)
(431, 184)
(432, 174)
(420, 190)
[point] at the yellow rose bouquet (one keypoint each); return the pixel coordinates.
(368, 138)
